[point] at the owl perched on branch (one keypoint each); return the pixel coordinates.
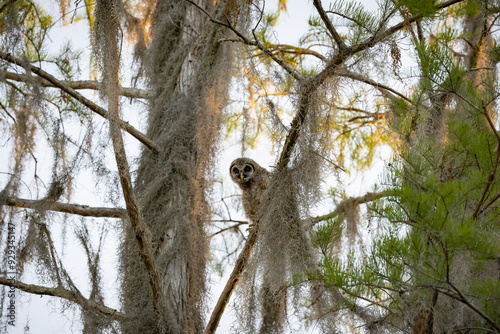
(253, 181)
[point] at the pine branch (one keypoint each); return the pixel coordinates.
(66, 294)
(80, 98)
(76, 209)
(329, 26)
(378, 37)
(79, 84)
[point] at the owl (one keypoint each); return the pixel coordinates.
(253, 181)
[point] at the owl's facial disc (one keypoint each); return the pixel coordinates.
(242, 174)
(236, 174)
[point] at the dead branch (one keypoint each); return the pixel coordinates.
(80, 98)
(79, 84)
(63, 293)
(232, 227)
(76, 209)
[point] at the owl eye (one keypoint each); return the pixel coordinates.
(235, 170)
(247, 169)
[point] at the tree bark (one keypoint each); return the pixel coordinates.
(188, 73)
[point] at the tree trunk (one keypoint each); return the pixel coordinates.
(188, 71)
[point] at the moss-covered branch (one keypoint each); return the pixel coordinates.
(234, 278)
(80, 98)
(369, 197)
(63, 293)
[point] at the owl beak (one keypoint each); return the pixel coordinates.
(242, 177)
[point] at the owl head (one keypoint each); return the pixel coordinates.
(242, 170)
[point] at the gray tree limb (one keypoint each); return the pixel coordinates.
(76, 209)
(78, 84)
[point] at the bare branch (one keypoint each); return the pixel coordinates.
(80, 98)
(63, 293)
(76, 209)
(80, 84)
(232, 227)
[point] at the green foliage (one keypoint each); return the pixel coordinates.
(418, 7)
(360, 22)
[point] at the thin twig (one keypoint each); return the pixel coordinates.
(228, 228)
(297, 50)
(358, 77)
(495, 167)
